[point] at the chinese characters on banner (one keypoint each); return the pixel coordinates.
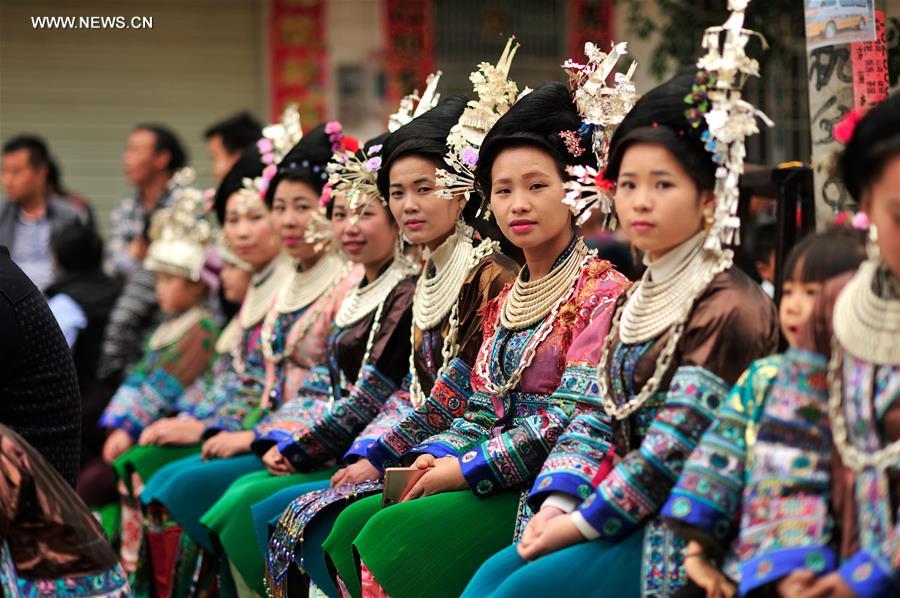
(298, 57)
(870, 68)
(590, 21)
(409, 51)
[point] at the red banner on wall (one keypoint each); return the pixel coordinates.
(590, 21)
(298, 58)
(870, 68)
(409, 46)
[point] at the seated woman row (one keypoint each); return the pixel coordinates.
(554, 405)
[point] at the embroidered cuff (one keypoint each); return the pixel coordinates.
(436, 450)
(693, 511)
(773, 565)
(604, 517)
(559, 484)
(133, 427)
(263, 442)
(869, 577)
(584, 527)
(359, 448)
(381, 456)
(478, 472)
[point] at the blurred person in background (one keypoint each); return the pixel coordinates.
(31, 211)
(152, 155)
(226, 141)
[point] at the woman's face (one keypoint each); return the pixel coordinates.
(366, 238)
(657, 203)
(797, 302)
(177, 294)
(526, 198)
(881, 202)
(235, 282)
(249, 231)
(292, 206)
(424, 218)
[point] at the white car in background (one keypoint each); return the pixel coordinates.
(828, 17)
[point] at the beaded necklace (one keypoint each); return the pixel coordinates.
(696, 278)
(868, 327)
(438, 295)
(580, 256)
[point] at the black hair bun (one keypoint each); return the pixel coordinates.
(538, 119)
(875, 138)
(249, 165)
(304, 162)
(425, 135)
(665, 110)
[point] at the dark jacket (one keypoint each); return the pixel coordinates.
(59, 211)
(39, 395)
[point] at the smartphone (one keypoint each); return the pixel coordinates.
(397, 482)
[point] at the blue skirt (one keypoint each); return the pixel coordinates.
(190, 486)
(580, 570)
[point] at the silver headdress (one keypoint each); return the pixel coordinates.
(274, 145)
(179, 233)
(729, 119)
(496, 93)
(413, 105)
(602, 108)
(354, 175)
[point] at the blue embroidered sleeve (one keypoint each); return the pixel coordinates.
(297, 413)
(639, 485)
(333, 433)
(581, 456)
(869, 576)
(234, 414)
(705, 504)
(513, 457)
(473, 427)
(789, 480)
(394, 411)
(148, 394)
(446, 402)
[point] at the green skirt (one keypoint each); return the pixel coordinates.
(230, 519)
(432, 546)
(338, 546)
(145, 460)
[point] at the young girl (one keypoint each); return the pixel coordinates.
(720, 480)
(367, 356)
(179, 350)
(461, 275)
(679, 340)
(844, 471)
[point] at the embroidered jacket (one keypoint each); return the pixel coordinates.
(399, 427)
(706, 503)
(298, 385)
(152, 389)
(731, 324)
(368, 386)
(502, 441)
(239, 395)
